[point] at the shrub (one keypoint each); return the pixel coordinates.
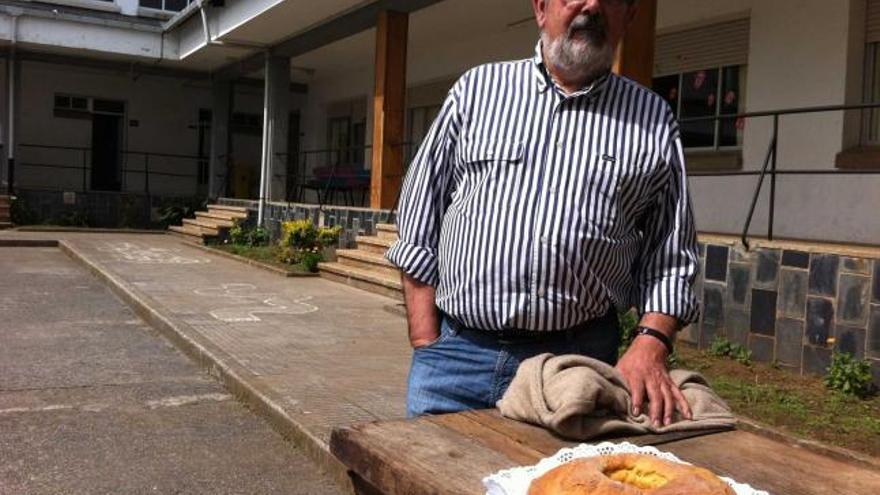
(849, 375)
(329, 236)
(627, 321)
(721, 347)
(310, 260)
(300, 234)
(20, 213)
(73, 218)
(241, 235)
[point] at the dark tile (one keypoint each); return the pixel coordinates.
(859, 266)
(873, 336)
(713, 305)
(767, 268)
(851, 340)
(816, 360)
(738, 284)
(789, 341)
(762, 348)
(852, 300)
(875, 293)
(763, 312)
(740, 255)
(796, 259)
(823, 274)
(708, 334)
(820, 320)
(701, 246)
(737, 326)
(792, 293)
(716, 263)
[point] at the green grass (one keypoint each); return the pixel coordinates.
(263, 254)
(800, 405)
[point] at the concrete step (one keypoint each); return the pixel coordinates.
(5, 225)
(206, 227)
(219, 219)
(189, 233)
(366, 260)
(373, 244)
(387, 231)
(362, 279)
(231, 211)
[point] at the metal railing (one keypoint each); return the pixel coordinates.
(331, 171)
(146, 167)
(769, 167)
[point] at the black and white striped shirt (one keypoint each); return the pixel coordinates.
(530, 209)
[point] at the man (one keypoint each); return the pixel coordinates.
(547, 193)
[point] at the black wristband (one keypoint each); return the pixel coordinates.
(657, 335)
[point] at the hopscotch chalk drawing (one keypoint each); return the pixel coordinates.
(132, 252)
(244, 303)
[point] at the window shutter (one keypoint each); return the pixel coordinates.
(873, 22)
(705, 47)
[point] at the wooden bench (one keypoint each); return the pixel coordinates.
(451, 454)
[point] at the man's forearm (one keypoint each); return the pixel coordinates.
(421, 311)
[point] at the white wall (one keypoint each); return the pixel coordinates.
(166, 110)
(803, 53)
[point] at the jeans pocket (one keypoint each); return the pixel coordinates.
(446, 332)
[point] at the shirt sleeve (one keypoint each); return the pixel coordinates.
(669, 259)
(425, 195)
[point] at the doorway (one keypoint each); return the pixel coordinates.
(106, 138)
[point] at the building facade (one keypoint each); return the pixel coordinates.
(177, 98)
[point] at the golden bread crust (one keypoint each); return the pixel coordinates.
(628, 474)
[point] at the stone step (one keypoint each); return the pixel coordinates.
(366, 260)
(234, 211)
(187, 234)
(387, 231)
(219, 219)
(362, 279)
(207, 228)
(5, 225)
(373, 244)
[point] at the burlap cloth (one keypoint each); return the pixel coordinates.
(582, 398)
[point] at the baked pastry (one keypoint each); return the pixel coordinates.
(628, 474)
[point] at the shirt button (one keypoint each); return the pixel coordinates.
(553, 189)
(560, 145)
(545, 239)
(542, 292)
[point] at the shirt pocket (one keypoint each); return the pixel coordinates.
(484, 164)
(600, 202)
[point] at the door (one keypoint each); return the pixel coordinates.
(106, 134)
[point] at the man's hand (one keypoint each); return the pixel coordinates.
(644, 368)
(421, 312)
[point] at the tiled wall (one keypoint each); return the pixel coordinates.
(789, 306)
(355, 221)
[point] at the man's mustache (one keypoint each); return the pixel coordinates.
(592, 25)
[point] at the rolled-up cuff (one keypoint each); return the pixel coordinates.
(673, 298)
(416, 261)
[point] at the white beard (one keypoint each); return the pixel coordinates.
(578, 59)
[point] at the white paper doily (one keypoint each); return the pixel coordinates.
(516, 481)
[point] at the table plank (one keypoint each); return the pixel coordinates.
(451, 454)
(774, 466)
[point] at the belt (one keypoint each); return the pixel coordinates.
(519, 336)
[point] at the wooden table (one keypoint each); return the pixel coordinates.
(451, 454)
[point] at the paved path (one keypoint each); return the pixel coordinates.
(309, 353)
(92, 400)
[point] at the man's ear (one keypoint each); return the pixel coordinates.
(540, 8)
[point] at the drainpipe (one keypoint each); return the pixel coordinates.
(212, 42)
(264, 164)
(10, 74)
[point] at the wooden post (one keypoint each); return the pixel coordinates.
(635, 55)
(389, 104)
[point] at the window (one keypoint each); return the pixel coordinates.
(168, 5)
(706, 93)
(871, 117)
(72, 106)
(246, 123)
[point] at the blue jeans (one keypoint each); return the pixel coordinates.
(470, 369)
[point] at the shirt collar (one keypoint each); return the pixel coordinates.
(545, 81)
